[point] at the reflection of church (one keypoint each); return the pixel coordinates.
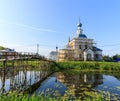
(83, 78)
(80, 48)
(78, 83)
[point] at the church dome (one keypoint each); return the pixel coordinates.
(80, 31)
(82, 36)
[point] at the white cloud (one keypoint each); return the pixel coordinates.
(29, 27)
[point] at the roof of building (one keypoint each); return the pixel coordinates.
(53, 52)
(96, 49)
(7, 50)
(67, 47)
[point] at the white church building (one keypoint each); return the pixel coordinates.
(80, 48)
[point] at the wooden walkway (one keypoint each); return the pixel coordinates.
(11, 66)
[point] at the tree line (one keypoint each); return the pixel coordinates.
(114, 58)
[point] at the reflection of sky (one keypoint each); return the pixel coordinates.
(52, 84)
(7, 82)
(19, 79)
(110, 83)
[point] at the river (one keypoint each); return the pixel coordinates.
(60, 83)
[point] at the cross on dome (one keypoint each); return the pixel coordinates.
(80, 30)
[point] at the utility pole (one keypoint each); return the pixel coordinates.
(37, 49)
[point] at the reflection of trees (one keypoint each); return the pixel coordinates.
(20, 80)
(3, 82)
(79, 83)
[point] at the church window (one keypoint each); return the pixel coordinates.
(89, 57)
(80, 55)
(86, 46)
(79, 46)
(96, 55)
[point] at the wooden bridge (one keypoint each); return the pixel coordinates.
(15, 66)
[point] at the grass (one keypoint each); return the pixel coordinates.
(80, 65)
(31, 64)
(110, 66)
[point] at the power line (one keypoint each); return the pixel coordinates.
(117, 44)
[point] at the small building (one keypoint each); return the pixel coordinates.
(8, 53)
(66, 54)
(53, 55)
(80, 48)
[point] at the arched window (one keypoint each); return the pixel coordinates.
(79, 46)
(80, 55)
(89, 57)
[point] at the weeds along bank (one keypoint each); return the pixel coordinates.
(111, 66)
(14, 97)
(29, 64)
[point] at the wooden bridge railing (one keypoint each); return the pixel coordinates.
(23, 60)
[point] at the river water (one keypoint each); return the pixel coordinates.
(77, 83)
(61, 82)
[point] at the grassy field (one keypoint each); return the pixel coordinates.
(109, 66)
(80, 65)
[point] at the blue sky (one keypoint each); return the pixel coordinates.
(26, 23)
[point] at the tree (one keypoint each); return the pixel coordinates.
(2, 48)
(116, 57)
(107, 58)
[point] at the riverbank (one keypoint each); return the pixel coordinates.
(100, 66)
(14, 97)
(79, 65)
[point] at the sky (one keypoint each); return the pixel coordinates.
(49, 23)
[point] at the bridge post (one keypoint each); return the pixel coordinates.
(13, 63)
(4, 64)
(3, 80)
(5, 61)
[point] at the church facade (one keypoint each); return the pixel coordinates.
(80, 48)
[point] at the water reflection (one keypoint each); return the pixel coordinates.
(80, 84)
(21, 80)
(77, 79)
(76, 84)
